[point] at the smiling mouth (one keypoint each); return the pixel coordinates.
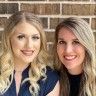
(70, 57)
(28, 52)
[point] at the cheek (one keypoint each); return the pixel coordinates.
(37, 45)
(83, 54)
(81, 51)
(15, 45)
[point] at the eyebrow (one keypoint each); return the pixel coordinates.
(72, 39)
(60, 39)
(26, 34)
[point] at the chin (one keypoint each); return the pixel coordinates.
(70, 67)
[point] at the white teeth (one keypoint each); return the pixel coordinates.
(69, 57)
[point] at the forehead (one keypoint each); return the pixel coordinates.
(66, 33)
(25, 28)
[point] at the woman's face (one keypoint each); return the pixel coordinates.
(25, 43)
(70, 51)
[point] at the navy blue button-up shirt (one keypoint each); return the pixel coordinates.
(45, 86)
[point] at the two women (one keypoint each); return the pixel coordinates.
(75, 57)
(24, 62)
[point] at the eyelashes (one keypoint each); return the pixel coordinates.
(61, 42)
(75, 42)
(20, 37)
(34, 37)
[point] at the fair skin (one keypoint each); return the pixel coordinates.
(25, 42)
(55, 91)
(70, 51)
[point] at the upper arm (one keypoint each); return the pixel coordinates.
(55, 91)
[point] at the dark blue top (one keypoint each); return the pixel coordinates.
(45, 86)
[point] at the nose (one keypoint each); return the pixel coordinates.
(69, 48)
(28, 43)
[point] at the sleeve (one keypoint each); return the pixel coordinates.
(47, 85)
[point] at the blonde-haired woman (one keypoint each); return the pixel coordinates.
(24, 67)
(75, 57)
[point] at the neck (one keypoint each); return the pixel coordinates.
(75, 71)
(20, 67)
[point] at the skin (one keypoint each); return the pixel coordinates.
(55, 91)
(70, 51)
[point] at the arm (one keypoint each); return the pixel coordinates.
(56, 90)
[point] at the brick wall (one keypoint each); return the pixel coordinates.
(51, 12)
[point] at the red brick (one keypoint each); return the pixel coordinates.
(93, 24)
(44, 22)
(79, 9)
(42, 9)
(50, 36)
(2, 21)
(8, 8)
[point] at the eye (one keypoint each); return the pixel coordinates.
(61, 42)
(20, 37)
(35, 37)
(76, 42)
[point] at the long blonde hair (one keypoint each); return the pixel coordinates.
(38, 65)
(83, 32)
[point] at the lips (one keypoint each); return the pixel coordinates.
(27, 52)
(71, 57)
